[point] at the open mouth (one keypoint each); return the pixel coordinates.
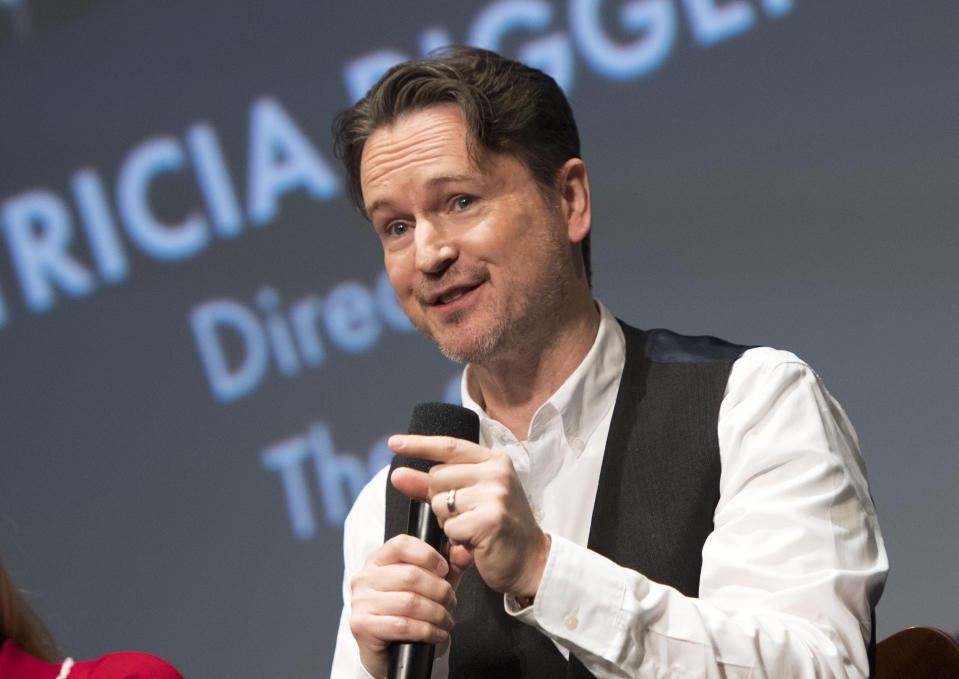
(453, 294)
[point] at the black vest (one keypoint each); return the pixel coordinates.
(658, 488)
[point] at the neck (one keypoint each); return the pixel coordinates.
(512, 387)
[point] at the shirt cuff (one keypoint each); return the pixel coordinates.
(580, 600)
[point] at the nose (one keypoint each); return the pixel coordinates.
(436, 249)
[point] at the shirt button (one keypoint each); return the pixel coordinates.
(538, 513)
(571, 622)
(576, 443)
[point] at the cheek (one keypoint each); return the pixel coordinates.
(401, 287)
(497, 237)
(397, 270)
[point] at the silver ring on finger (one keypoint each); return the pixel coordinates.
(451, 501)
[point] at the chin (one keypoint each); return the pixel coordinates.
(465, 347)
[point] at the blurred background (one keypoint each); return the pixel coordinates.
(200, 358)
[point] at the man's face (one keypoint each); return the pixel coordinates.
(480, 261)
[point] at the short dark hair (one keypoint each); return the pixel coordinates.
(509, 108)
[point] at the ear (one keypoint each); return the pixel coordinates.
(573, 186)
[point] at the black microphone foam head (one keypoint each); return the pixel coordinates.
(442, 419)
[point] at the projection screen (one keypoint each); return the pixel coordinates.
(201, 356)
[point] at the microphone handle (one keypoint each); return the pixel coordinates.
(414, 659)
(411, 660)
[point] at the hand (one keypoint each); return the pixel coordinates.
(493, 524)
(404, 592)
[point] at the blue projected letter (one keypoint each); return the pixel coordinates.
(38, 230)
(333, 471)
(430, 39)
(389, 306)
(101, 230)
(453, 393)
(711, 24)
(153, 237)
(362, 73)
(287, 458)
(305, 315)
(284, 353)
(551, 53)
(351, 319)
(379, 456)
(499, 18)
(778, 8)
(654, 19)
(281, 160)
(227, 384)
(214, 179)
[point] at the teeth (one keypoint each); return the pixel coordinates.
(449, 297)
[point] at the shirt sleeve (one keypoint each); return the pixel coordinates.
(362, 534)
(790, 573)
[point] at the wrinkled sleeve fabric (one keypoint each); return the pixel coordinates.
(363, 534)
(790, 573)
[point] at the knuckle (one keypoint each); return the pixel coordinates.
(448, 597)
(502, 473)
(396, 543)
(401, 627)
(356, 582)
(370, 560)
(408, 603)
(406, 548)
(387, 553)
(409, 578)
(359, 625)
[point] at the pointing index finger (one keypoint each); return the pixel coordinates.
(444, 449)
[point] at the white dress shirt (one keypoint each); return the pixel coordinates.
(790, 572)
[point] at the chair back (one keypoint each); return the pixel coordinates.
(918, 653)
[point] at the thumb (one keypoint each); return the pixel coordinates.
(460, 562)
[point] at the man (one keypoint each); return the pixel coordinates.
(639, 504)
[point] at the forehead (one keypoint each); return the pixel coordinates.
(433, 137)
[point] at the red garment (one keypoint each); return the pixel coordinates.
(15, 664)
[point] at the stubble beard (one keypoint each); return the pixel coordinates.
(484, 344)
(515, 332)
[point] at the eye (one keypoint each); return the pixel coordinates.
(398, 228)
(463, 202)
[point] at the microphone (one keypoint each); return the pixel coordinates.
(414, 659)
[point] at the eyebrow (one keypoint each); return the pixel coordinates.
(431, 183)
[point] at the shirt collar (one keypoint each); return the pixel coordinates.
(586, 395)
